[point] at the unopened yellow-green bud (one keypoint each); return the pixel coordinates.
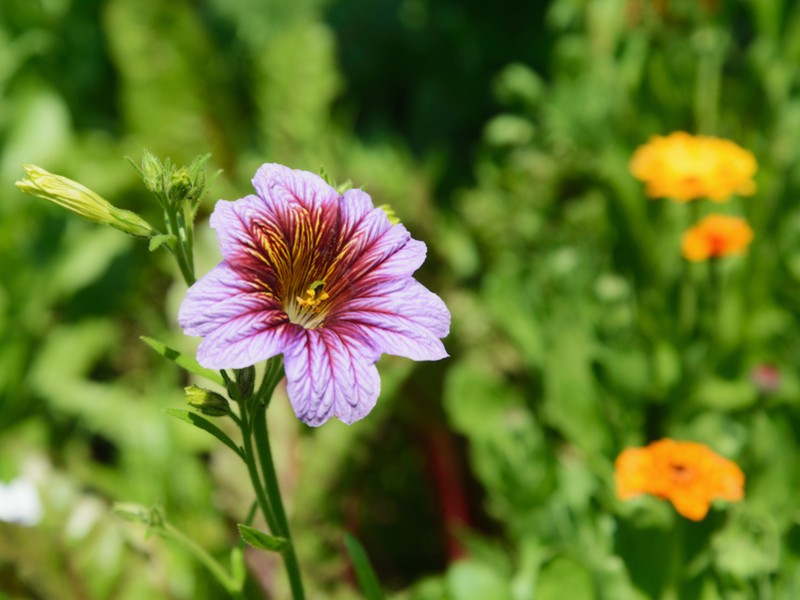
(82, 201)
(180, 184)
(207, 402)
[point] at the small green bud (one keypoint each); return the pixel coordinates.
(245, 381)
(180, 185)
(207, 402)
(81, 200)
(150, 170)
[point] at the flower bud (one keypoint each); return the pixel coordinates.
(180, 185)
(245, 381)
(81, 200)
(151, 171)
(207, 402)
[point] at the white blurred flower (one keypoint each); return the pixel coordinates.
(20, 502)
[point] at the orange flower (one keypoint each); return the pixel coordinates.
(715, 236)
(687, 474)
(686, 167)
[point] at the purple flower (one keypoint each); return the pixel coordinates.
(323, 278)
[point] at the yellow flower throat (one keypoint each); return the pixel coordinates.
(306, 310)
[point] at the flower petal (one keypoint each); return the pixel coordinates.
(233, 224)
(245, 341)
(402, 318)
(280, 186)
(358, 204)
(241, 325)
(330, 375)
(217, 297)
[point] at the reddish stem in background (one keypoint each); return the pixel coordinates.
(446, 475)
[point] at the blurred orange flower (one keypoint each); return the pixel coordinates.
(716, 236)
(688, 474)
(686, 167)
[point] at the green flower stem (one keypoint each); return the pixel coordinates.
(677, 558)
(180, 251)
(268, 493)
(273, 491)
(252, 469)
(233, 587)
(715, 285)
(188, 223)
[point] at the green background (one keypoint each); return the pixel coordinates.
(500, 133)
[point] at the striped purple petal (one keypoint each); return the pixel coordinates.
(329, 374)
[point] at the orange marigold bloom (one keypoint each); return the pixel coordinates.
(716, 236)
(688, 474)
(686, 167)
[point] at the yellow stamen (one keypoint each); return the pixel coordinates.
(313, 298)
(315, 295)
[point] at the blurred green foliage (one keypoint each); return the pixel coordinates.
(501, 137)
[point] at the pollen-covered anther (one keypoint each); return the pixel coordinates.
(308, 310)
(315, 295)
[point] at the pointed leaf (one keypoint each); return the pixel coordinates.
(205, 425)
(263, 541)
(366, 575)
(182, 360)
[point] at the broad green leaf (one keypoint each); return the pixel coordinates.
(205, 425)
(366, 575)
(260, 540)
(182, 360)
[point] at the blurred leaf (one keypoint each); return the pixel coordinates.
(748, 548)
(89, 252)
(563, 578)
(726, 395)
(39, 133)
(182, 360)
(508, 130)
(366, 575)
(471, 580)
(260, 540)
(570, 402)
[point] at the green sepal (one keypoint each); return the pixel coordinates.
(182, 360)
(340, 188)
(364, 571)
(161, 239)
(260, 540)
(205, 425)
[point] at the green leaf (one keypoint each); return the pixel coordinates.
(160, 239)
(182, 360)
(263, 541)
(366, 576)
(473, 580)
(205, 425)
